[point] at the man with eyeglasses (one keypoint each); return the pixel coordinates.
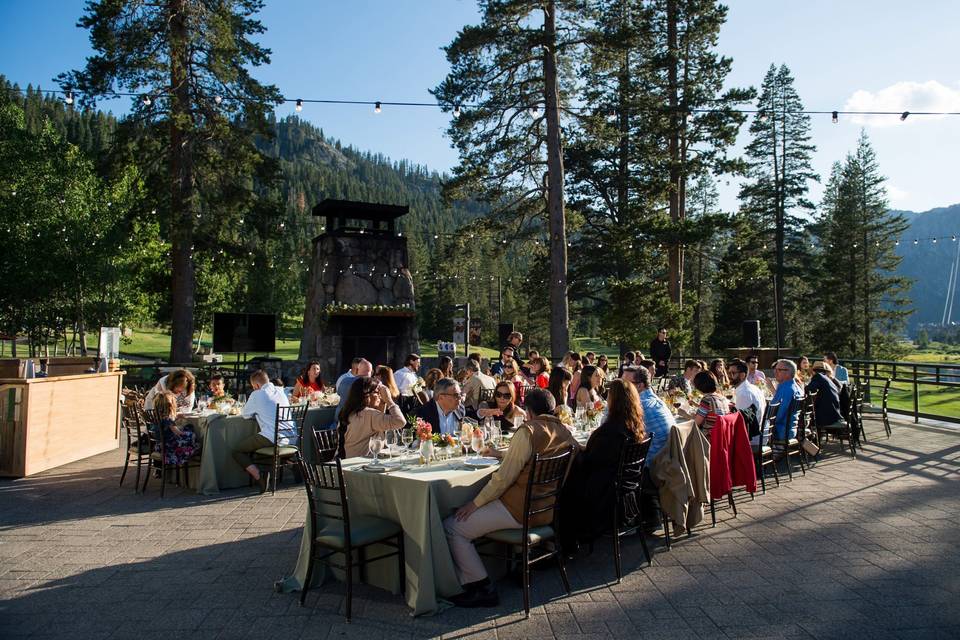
(745, 394)
(445, 411)
(506, 357)
(754, 375)
(788, 389)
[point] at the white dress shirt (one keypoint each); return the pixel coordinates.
(747, 394)
(262, 405)
(405, 379)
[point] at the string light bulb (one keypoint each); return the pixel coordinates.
(835, 117)
(762, 115)
(299, 104)
(147, 101)
(903, 116)
(534, 109)
(218, 99)
(456, 111)
(376, 107)
(69, 98)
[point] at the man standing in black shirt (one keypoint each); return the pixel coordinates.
(660, 352)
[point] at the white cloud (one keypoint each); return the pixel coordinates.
(903, 96)
(898, 197)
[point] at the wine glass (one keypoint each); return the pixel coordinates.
(390, 438)
(242, 399)
(375, 445)
(476, 443)
(406, 437)
(579, 416)
(202, 404)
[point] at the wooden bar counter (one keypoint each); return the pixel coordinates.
(49, 422)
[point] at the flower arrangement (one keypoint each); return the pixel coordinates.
(423, 430)
(446, 440)
(419, 385)
(564, 415)
(595, 409)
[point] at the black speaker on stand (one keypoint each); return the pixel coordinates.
(506, 328)
(751, 333)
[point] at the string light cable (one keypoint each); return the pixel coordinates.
(149, 99)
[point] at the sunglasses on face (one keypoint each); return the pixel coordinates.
(504, 396)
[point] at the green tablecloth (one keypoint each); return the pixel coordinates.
(418, 499)
(219, 434)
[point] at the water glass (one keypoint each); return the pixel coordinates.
(476, 443)
(375, 445)
(406, 436)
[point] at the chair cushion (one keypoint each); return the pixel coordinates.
(363, 530)
(536, 535)
(285, 451)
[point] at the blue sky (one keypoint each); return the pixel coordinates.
(864, 54)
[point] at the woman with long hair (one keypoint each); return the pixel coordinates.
(309, 381)
(590, 497)
(591, 383)
(368, 410)
(538, 372)
(559, 382)
(181, 383)
(446, 366)
(576, 364)
(511, 374)
(603, 364)
(431, 379)
(719, 371)
(385, 375)
(503, 407)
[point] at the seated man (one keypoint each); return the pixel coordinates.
(262, 405)
(476, 382)
(657, 422)
(216, 387)
(444, 412)
(840, 373)
(506, 356)
(500, 504)
(788, 389)
(684, 381)
(746, 395)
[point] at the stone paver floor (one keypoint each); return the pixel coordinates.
(856, 549)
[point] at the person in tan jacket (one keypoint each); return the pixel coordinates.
(499, 505)
(369, 409)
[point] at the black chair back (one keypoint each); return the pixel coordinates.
(810, 410)
(544, 485)
(289, 417)
(326, 443)
(633, 456)
(326, 494)
(768, 422)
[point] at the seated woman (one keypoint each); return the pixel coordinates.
(603, 364)
(385, 375)
(446, 366)
(430, 380)
(719, 371)
(589, 496)
(804, 372)
(181, 383)
(368, 409)
(503, 407)
(712, 404)
(179, 442)
(559, 383)
(310, 381)
(538, 376)
(591, 382)
(511, 374)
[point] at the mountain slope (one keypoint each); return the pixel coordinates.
(928, 263)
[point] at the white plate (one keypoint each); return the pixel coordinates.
(480, 463)
(374, 468)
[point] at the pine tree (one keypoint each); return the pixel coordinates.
(864, 304)
(510, 68)
(190, 61)
(779, 174)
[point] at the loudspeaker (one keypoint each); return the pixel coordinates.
(751, 333)
(506, 328)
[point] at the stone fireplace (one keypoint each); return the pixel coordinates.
(360, 299)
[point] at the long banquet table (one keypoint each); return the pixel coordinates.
(219, 433)
(418, 498)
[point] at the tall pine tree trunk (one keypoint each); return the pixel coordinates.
(181, 188)
(673, 146)
(559, 331)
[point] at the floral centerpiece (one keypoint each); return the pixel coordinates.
(424, 432)
(324, 399)
(564, 415)
(419, 385)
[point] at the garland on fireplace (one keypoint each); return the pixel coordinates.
(341, 309)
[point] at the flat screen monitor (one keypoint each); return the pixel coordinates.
(244, 332)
